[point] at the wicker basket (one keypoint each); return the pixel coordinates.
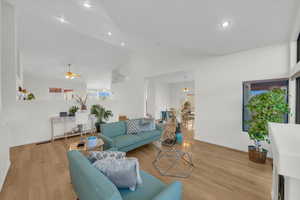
(257, 156)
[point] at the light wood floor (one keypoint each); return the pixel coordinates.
(40, 172)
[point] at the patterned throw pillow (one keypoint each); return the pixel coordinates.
(100, 155)
(133, 126)
(124, 173)
(147, 125)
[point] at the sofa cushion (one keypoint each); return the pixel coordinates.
(147, 125)
(133, 126)
(149, 134)
(99, 155)
(113, 129)
(126, 140)
(148, 190)
(124, 173)
(88, 182)
(172, 191)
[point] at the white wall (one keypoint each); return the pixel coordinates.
(39, 86)
(219, 91)
(9, 55)
(219, 111)
(163, 95)
(6, 59)
(159, 97)
(36, 128)
(162, 98)
(30, 121)
(218, 88)
(130, 95)
(177, 96)
(4, 149)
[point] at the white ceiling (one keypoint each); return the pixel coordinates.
(175, 77)
(187, 27)
(192, 25)
(47, 46)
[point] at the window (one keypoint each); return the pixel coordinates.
(252, 88)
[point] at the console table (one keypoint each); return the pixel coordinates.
(68, 119)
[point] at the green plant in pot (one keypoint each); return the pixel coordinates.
(30, 96)
(266, 107)
(101, 114)
(73, 110)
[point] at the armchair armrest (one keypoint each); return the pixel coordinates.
(171, 192)
(108, 142)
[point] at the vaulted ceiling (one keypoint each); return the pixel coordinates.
(185, 27)
(47, 45)
(194, 25)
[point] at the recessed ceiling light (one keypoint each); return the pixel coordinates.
(87, 4)
(225, 24)
(109, 33)
(62, 20)
(122, 44)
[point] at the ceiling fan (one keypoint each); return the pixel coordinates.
(69, 74)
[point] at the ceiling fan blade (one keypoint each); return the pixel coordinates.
(76, 75)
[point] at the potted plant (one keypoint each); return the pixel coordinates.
(30, 96)
(73, 110)
(101, 114)
(267, 107)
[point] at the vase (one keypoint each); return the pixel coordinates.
(83, 107)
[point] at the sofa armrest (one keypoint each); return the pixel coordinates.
(108, 142)
(112, 149)
(158, 127)
(171, 192)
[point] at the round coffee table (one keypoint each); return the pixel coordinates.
(84, 147)
(176, 158)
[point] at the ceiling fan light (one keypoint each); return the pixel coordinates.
(186, 89)
(69, 74)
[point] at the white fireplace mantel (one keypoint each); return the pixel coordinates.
(285, 140)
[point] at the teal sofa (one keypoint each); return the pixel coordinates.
(90, 184)
(115, 136)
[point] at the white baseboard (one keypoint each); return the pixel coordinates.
(221, 145)
(4, 174)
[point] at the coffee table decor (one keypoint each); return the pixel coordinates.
(87, 145)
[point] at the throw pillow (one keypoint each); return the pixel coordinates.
(147, 125)
(133, 126)
(145, 121)
(124, 173)
(99, 155)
